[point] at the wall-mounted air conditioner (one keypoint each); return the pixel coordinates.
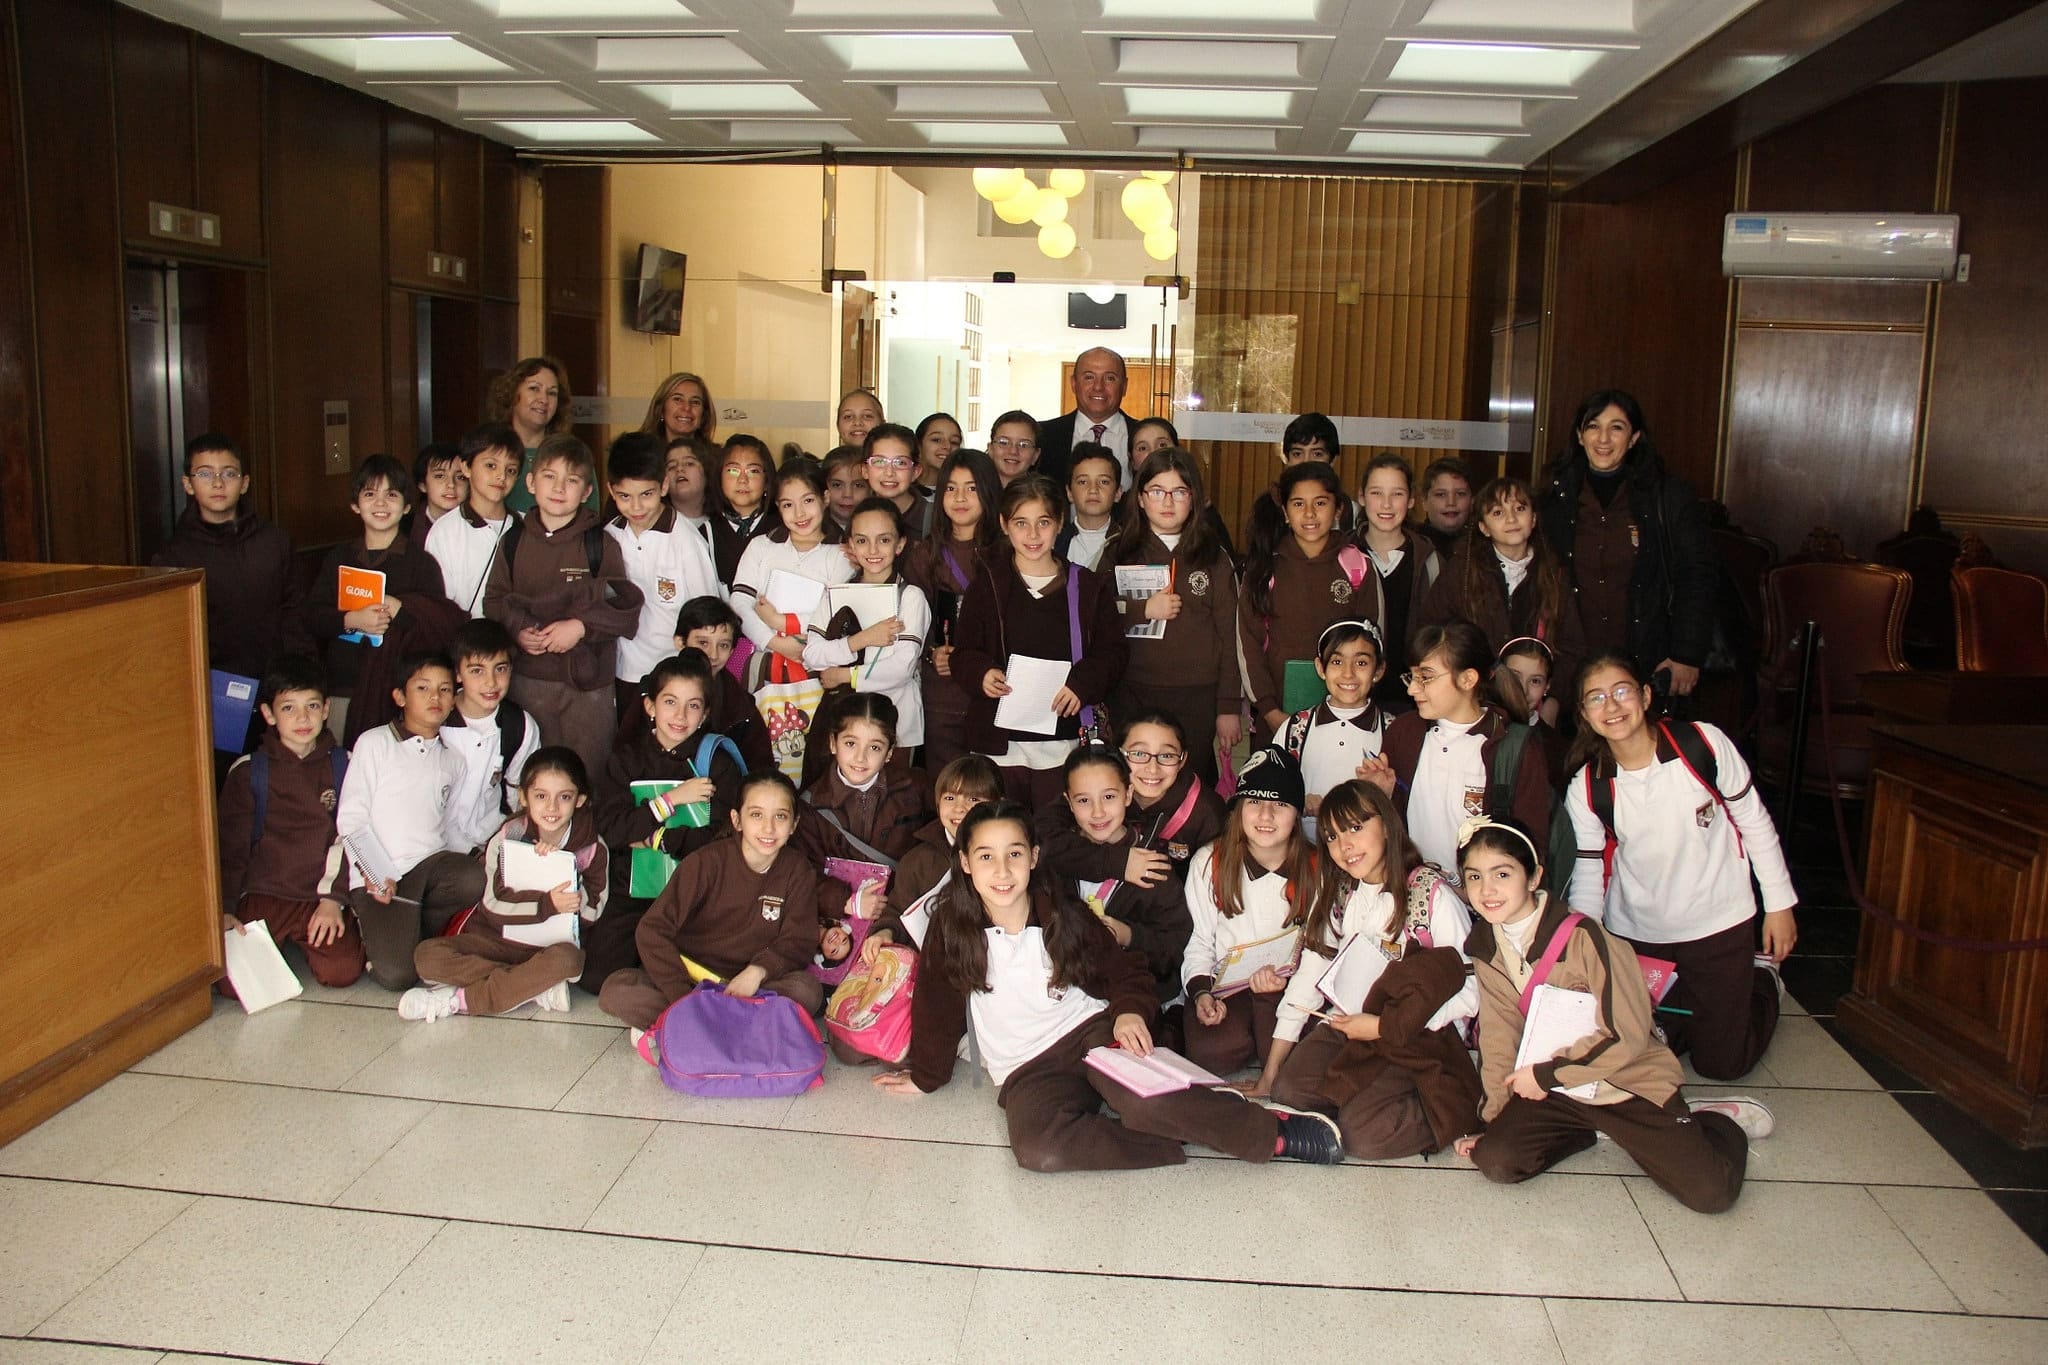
(1855, 246)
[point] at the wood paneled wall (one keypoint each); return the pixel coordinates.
(20, 477)
(1279, 328)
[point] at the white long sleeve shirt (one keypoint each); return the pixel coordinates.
(1019, 1015)
(1374, 912)
(398, 785)
(670, 564)
(1679, 872)
(1448, 789)
(489, 785)
(893, 670)
(825, 562)
(464, 544)
(1266, 907)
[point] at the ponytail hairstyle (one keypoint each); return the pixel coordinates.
(873, 707)
(1095, 756)
(956, 944)
(1348, 806)
(1508, 692)
(1589, 745)
(1196, 541)
(1388, 459)
(1505, 835)
(688, 665)
(1303, 869)
(768, 775)
(1028, 487)
(1269, 530)
(811, 475)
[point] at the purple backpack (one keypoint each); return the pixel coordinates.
(728, 1046)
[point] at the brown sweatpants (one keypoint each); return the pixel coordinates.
(495, 973)
(567, 714)
(631, 997)
(1697, 1159)
(1734, 1002)
(1381, 1121)
(439, 887)
(1243, 1038)
(1054, 1107)
(337, 964)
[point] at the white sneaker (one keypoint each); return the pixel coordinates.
(1750, 1115)
(555, 997)
(427, 1003)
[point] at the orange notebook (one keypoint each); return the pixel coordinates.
(354, 590)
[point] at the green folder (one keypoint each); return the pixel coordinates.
(696, 815)
(1301, 687)
(651, 870)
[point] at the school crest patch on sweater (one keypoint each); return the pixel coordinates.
(1198, 583)
(771, 909)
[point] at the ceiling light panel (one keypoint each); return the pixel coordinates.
(300, 12)
(1509, 66)
(1176, 137)
(670, 56)
(589, 132)
(1580, 17)
(957, 101)
(1180, 58)
(1425, 146)
(895, 11)
(789, 132)
(730, 98)
(993, 134)
(928, 53)
(582, 11)
(1445, 111)
(1160, 102)
(399, 55)
(1210, 11)
(517, 99)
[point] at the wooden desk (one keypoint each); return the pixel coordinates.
(1949, 697)
(1959, 846)
(111, 904)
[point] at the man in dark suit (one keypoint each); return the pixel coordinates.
(1099, 382)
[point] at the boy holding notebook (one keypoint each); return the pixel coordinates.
(394, 802)
(277, 823)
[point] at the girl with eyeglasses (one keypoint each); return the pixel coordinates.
(889, 463)
(1681, 835)
(1183, 637)
(737, 497)
(1151, 921)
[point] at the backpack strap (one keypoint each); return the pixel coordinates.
(1298, 726)
(708, 746)
(1554, 950)
(1690, 744)
(511, 734)
(593, 548)
(860, 845)
(1422, 885)
(259, 793)
(1180, 816)
(509, 542)
(1507, 769)
(1074, 632)
(1600, 800)
(1354, 563)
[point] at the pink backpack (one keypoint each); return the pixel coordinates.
(870, 1011)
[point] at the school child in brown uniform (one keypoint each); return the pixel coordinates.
(743, 910)
(1695, 1153)
(944, 564)
(1295, 583)
(1172, 812)
(1151, 921)
(1041, 982)
(864, 809)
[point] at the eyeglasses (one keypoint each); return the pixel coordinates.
(1139, 758)
(1623, 693)
(744, 471)
(215, 475)
(1005, 443)
(889, 462)
(1157, 494)
(1416, 675)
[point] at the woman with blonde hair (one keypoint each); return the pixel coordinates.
(682, 406)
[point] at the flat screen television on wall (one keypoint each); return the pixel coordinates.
(658, 293)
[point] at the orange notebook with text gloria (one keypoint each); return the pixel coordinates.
(354, 590)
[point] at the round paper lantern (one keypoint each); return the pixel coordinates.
(1068, 182)
(1157, 177)
(996, 184)
(1143, 200)
(1049, 208)
(1161, 243)
(1019, 207)
(1057, 240)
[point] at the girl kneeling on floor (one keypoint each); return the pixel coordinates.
(1383, 992)
(1040, 982)
(1616, 1079)
(483, 970)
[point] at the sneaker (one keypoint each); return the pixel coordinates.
(1750, 1115)
(427, 1003)
(555, 997)
(1308, 1137)
(1765, 964)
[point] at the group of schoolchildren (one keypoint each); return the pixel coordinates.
(561, 688)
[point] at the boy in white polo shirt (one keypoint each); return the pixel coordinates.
(466, 540)
(402, 883)
(668, 561)
(491, 735)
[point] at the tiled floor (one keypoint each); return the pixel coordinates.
(325, 1182)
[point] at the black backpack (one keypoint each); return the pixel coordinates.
(1501, 780)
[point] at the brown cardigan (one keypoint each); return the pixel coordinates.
(1000, 616)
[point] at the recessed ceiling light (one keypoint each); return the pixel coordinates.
(588, 132)
(679, 57)
(517, 99)
(1213, 139)
(1209, 11)
(1501, 64)
(1158, 102)
(789, 132)
(399, 54)
(1496, 16)
(1440, 146)
(994, 134)
(578, 10)
(729, 98)
(1445, 111)
(933, 52)
(965, 100)
(894, 9)
(1180, 58)
(307, 12)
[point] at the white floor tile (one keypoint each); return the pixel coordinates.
(1802, 1054)
(1023, 1319)
(296, 1043)
(1627, 1332)
(1980, 1254)
(518, 1295)
(747, 1187)
(365, 991)
(80, 1141)
(243, 1277)
(1916, 1338)
(1760, 1074)
(61, 1237)
(269, 1142)
(849, 1103)
(1855, 1137)
(501, 1165)
(517, 1062)
(1819, 1245)
(583, 1009)
(621, 1083)
(17, 1352)
(766, 1305)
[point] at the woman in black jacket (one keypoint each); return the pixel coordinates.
(1633, 540)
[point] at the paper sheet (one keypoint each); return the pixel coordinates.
(256, 969)
(548, 932)
(1352, 973)
(527, 869)
(872, 603)
(1135, 583)
(1033, 682)
(1557, 1019)
(793, 592)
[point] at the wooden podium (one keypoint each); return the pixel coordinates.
(109, 886)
